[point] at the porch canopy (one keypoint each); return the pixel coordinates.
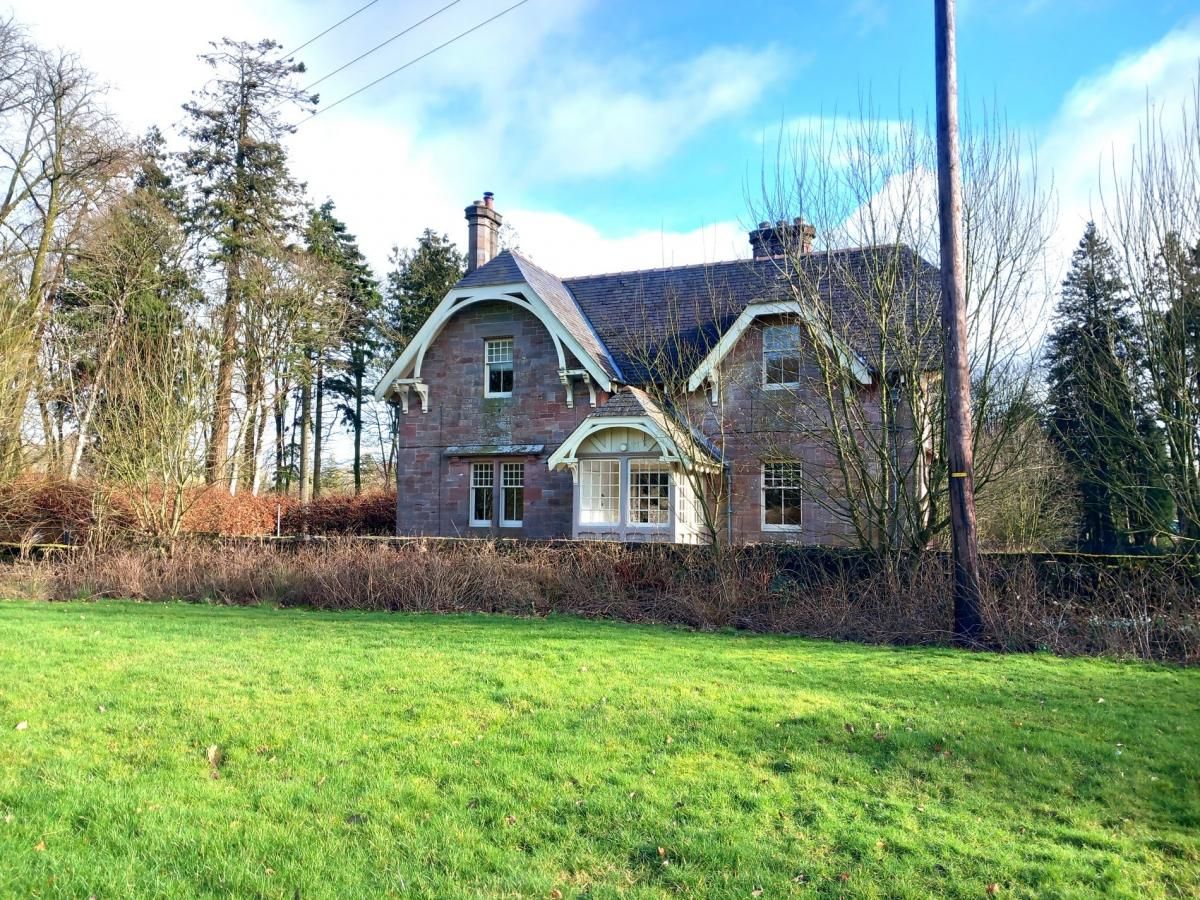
(639, 473)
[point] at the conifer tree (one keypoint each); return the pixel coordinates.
(418, 280)
(1097, 407)
(244, 199)
(329, 238)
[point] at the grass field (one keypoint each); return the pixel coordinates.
(374, 754)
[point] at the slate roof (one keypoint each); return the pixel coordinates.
(508, 267)
(632, 322)
(648, 316)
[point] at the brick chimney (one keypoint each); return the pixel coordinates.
(772, 241)
(483, 232)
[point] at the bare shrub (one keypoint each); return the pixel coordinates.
(1067, 603)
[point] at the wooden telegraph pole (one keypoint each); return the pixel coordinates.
(967, 620)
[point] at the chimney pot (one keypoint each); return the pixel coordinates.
(772, 241)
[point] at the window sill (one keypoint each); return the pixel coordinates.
(490, 396)
(783, 529)
(781, 386)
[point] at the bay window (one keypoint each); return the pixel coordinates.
(599, 491)
(649, 493)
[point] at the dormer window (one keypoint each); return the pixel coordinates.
(498, 367)
(781, 356)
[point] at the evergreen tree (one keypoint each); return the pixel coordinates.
(417, 282)
(1097, 408)
(329, 238)
(128, 284)
(244, 197)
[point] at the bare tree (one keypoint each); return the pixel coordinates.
(1153, 207)
(60, 155)
(867, 182)
(150, 435)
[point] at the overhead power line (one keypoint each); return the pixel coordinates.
(337, 24)
(398, 34)
(415, 60)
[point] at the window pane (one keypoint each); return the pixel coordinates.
(500, 381)
(499, 351)
(781, 494)
(781, 354)
(599, 491)
(512, 480)
(498, 362)
(482, 480)
(649, 494)
(781, 337)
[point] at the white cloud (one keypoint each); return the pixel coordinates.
(567, 246)
(515, 107)
(607, 119)
(1097, 125)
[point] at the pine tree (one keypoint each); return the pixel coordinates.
(244, 197)
(1097, 407)
(418, 280)
(328, 237)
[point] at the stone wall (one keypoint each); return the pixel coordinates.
(751, 424)
(434, 489)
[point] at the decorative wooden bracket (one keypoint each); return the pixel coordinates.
(422, 389)
(714, 385)
(566, 376)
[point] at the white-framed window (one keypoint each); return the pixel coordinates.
(599, 491)
(781, 495)
(649, 493)
(498, 367)
(781, 356)
(512, 494)
(483, 479)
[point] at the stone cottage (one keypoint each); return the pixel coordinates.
(678, 404)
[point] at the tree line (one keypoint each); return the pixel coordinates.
(170, 317)
(181, 312)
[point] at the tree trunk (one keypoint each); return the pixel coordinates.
(305, 440)
(280, 448)
(217, 464)
(89, 410)
(253, 427)
(319, 428)
(968, 623)
(218, 448)
(358, 428)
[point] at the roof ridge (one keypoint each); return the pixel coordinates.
(521, 257)
(745, 259)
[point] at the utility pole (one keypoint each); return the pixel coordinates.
(968, 623)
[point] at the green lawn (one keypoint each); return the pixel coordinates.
(373, 754)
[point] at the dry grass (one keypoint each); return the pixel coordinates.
(1143, 608)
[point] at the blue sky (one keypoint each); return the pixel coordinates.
(619, 133)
